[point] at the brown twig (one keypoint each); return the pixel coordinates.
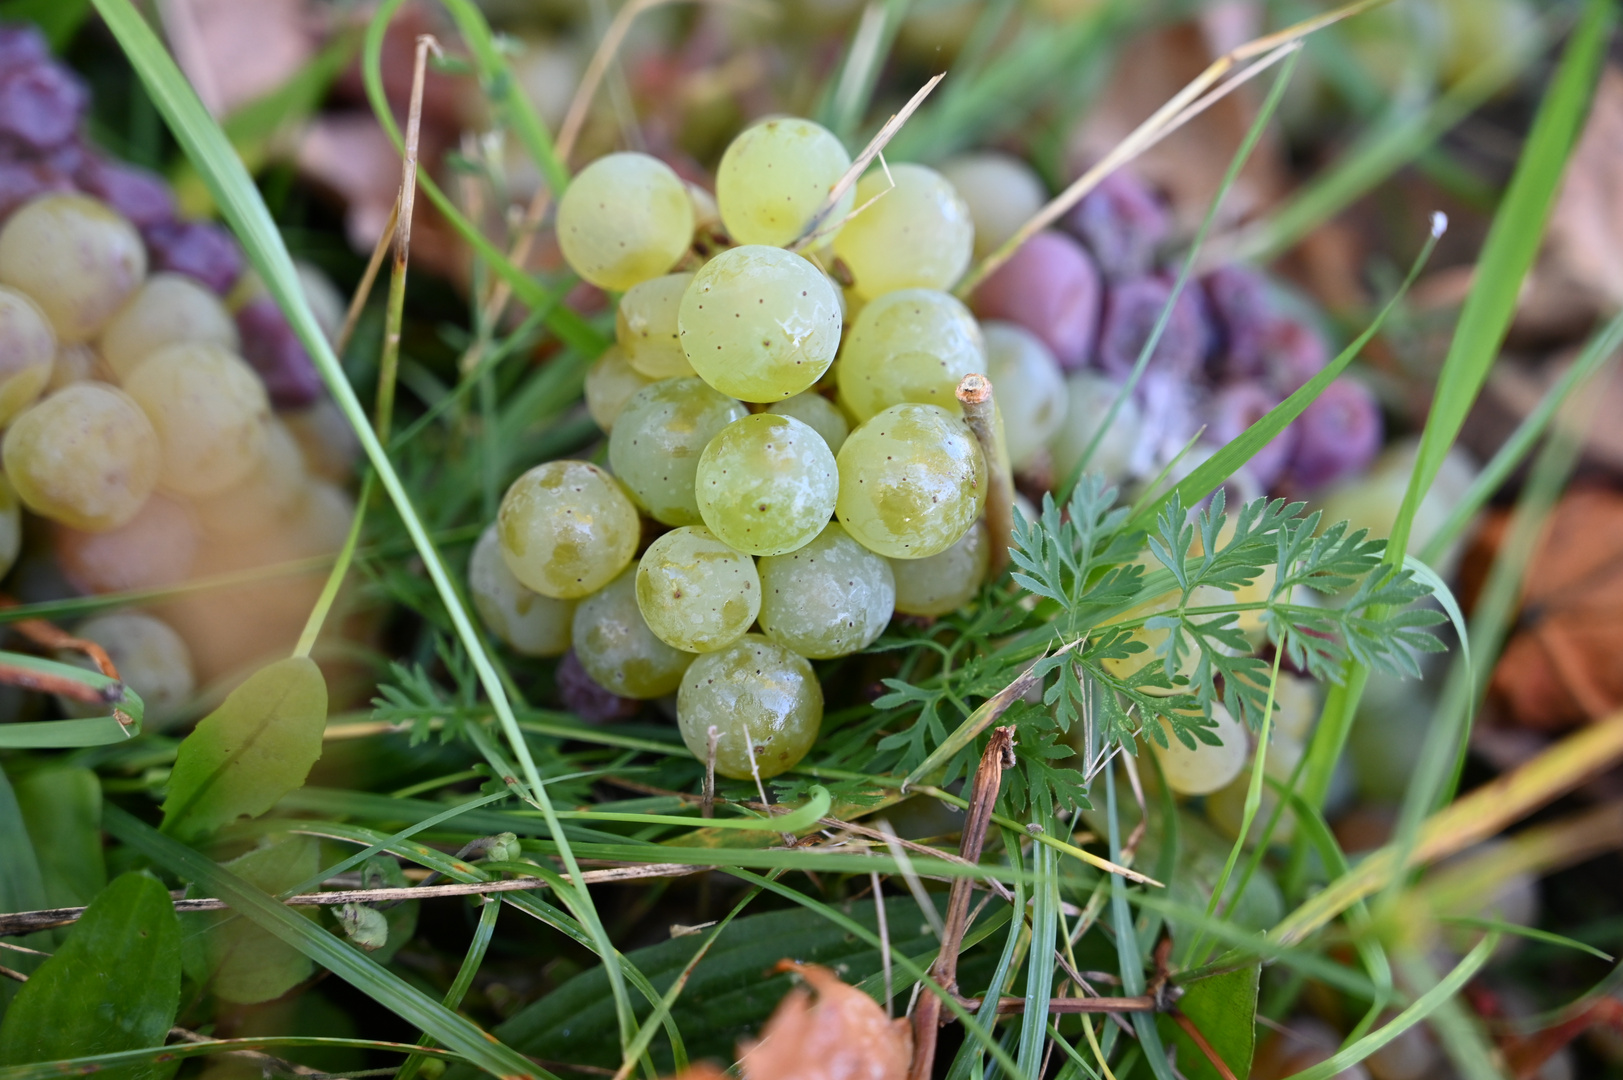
(50, 636)
(981, 412)
(363, 291)
(999, 755)
(1013, 1005)
(1206, 1048)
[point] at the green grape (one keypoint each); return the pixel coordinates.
(698, 594)
(150, 657)
(1206, 768)
(1029, 385)
(657, 439)
(831, 598)
(265, 496)
(11, 526)
(645, 327)
(210, 411)
(918, 235)
(913, 345)
(27, 352)
(1088, 397)
(775, 176)
(818, 413)
(567, 528)
(610, 382)
(946, 581)
(86, 456)
(168, 309)
(624, 218)
(616, 648)
(1002, 193)
(763, 701)
(760, 323)
(532, 624)
(766, 484)
(76, 258)
(154, 549)
(912, 481)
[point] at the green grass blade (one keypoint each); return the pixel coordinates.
(154, 1055)
(1127, 946)
(482, 933)
(1040, 966)
(337, 956)
(239, 200)
(63, 734)
(1532, 933)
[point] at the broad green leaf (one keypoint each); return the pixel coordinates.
(113, 985)
(1223, 1009)
(22, 887)
(62, 809)
(255, 748)
(240, 960)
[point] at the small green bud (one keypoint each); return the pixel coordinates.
(364, 926)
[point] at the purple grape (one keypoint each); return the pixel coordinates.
(205, 251)
(1131, 311)
(141, 196)
(1050, 287)
(1235, 408)
(1237, 297)
(41, 105)
(1293, 353)
(585, 697)
(1339, 434)
(21, 44)
(1168, 416)
(1123, 223)
(272, 348)
(23, 180)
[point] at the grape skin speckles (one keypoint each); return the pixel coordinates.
(775, 176)
(766, 484)
(698, 594)
(616, 648)
(567, 529)
(760, 323)
(911, 345)
(764, 702)
(623, 219)
(75, 258)
(657, 439)
(86, 456)
(912, 481)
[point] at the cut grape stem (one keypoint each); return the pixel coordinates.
(981, 413)
(927, 1018)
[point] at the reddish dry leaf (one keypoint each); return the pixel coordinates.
(843, 1035)
(1560, 667)
(235, 52)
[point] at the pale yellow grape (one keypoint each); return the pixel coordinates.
(764, 702)
(610, 382)
(766, 484)
(616, 648)
(319, 520)
(168, 309)
(760, 323)
(210, 411)
(912, 345)
(706, 214)
(1296, 704)
(912, 482)
(265, 495)
(1088, 397)
(645, 327)
(945, 581)
(1156, 640)
(818, 413)
(1030, 388)
(775, 176)
(156, 548)
(657, 439)
(918, 235)
(698, 594)
(624, 218)
(1205, 768)
(830, 598)
(326, 440)
(567, 528)
(27, 352)
(76, 258)
(78, 363)
(532, 624)
(1002, 193)
(1225, 807)
(11, 526)
(150, 657)
(86, 456)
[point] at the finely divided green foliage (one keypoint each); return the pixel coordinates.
(254, 749)
(113, 985)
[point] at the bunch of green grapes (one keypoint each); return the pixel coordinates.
(807, 468)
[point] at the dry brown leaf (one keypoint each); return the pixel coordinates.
(843, 1035)
(234, 52)
(1519, 386)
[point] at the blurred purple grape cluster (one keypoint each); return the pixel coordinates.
(42, 150)
(1094, 289)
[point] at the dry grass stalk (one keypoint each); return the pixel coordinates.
(981, 413)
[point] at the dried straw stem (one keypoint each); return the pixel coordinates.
(981, 412)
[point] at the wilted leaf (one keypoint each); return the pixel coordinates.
(241, 961)
(245, 755)
(843, 1035)
(1584, 246)
(62, 809)
(113, 985)
(1224, 1010)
